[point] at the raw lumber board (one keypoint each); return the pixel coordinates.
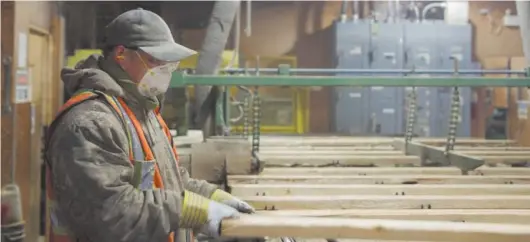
(309, 160)
(495, 152)
(361, 171)
(326, 148)
(479, 153)
(337, 160)
(298, 239)
(364, 141)
(367, 148)
(330, 152)
(396, 179)
(242, 190)
(274, 138)
(487, 171)
(326, 142)
(284, 138)
(388, 202)
(514, 216)
(480, 148)
(513, 159)
(250, 226)
(469, 142)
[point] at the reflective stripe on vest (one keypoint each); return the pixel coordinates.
(146, 173)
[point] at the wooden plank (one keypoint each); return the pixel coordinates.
(327, 142)
(330, 148)
(351, 148)
(251, 226)
(329, 152)
(361, 171)
(388, 202)
(470, 142)
(312, 161)
(243, 190)
(507, 148)
(298, 239)
(479, 153)
(487, 171)
(365, 159)
(367, 139)
(493, 159)
(518, 216)
(396, 179)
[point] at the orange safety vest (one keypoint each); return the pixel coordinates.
(145, 176)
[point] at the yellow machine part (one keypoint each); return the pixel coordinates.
(299, 98)
(300, 112)
(81, 55)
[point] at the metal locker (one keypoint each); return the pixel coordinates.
(352, 45)
(455, 42)
(421, 53)
(386, 103)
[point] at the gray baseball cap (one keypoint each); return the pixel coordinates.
(147, 31)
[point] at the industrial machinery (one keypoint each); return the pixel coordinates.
(284, 78)
(233, 160)
(399, 74)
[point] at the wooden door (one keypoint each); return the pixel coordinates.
(40, 66)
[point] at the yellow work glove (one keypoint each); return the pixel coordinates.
(226, 198)
(204, 214)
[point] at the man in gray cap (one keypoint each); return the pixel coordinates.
(113, 173)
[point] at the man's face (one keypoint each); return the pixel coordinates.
(136, 62)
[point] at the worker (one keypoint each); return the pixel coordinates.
(113, 169)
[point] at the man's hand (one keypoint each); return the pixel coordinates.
(226, 198)
(204, 214)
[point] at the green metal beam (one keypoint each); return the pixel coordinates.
(180, 79)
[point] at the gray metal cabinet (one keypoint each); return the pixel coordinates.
(352, 52)
(386, 103)
(421, 53)
(406, 45)
(455, 42)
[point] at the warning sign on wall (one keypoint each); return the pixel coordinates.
(22, 86)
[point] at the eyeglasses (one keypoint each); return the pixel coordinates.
(166, 67)
(169, 67)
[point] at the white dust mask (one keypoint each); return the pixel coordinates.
(156, 80)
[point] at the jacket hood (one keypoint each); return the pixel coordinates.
(87, 74)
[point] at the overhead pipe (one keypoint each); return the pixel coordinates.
(237, 40)
(397, 10)
(416, 11)
(342, 15)
(390, 11)
(523, 8)
(427, 8)
(355, 10)
(217, 33)
(248, 27)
